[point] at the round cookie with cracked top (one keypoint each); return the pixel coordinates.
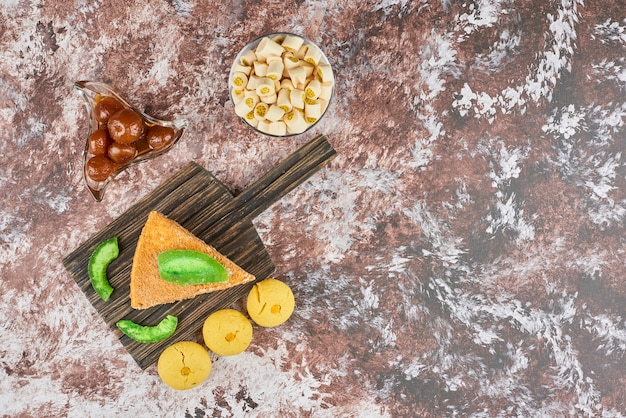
(184, 365)
(227, 332)
(270, 303)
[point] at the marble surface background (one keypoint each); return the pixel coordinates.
(462, 256)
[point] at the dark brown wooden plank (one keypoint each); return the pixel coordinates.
(179, 198)
(202, 204)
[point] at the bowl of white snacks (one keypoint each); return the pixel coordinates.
(281, 84)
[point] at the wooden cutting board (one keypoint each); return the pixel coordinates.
(198, 201)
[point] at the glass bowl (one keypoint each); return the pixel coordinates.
(281, 84)
(154, 138)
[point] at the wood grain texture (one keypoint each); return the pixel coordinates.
(198, 201)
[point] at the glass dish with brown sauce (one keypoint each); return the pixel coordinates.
(120, 135)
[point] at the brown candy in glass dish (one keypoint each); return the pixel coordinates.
(120, 135)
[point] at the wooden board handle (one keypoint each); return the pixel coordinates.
(267, 190)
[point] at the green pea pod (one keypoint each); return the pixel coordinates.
(149, 334)
(188, 267)
(99, 260)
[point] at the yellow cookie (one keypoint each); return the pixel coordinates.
(227, 332)
(270, 303)
(184, 365)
